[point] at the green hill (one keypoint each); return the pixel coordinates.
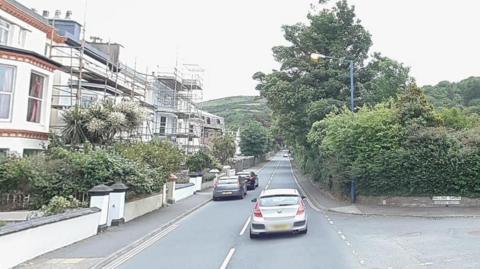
(238, 110)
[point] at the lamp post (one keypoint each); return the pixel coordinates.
(316, 57)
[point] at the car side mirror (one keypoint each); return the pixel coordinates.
(254, 200)
(304, 197)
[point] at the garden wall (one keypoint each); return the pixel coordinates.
(26, 240)
(140, 207)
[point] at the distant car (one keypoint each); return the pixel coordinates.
(278, 210)
(232, 186)
(285, 155)
(251, 180)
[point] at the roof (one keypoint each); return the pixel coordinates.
(272, 192)
(242, 173)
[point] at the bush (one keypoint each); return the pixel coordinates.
(201, 160)
(59, 204)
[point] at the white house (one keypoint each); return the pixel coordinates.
(26, 78)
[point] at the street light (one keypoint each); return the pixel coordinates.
(317, 56)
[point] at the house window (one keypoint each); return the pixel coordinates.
(7, 74)
(4, 30)
(218, 121)
(163, 125)
(3, 152)
(35, 97)
(191, 129)
(31, 152)
(208, 120)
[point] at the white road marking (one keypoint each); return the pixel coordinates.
(141, 247)
(245, 226)
(227, 259)
(331, 222)
(426, 263)
(348, 243)
(343, 237)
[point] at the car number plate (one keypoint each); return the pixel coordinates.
(227, 192)
(280, 227)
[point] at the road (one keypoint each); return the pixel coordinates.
(216, 236)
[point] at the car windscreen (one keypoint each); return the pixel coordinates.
(279, 200)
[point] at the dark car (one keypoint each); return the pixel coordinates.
(232, 186)
(250, 178)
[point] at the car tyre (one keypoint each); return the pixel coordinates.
(304, 231)
(254, 236)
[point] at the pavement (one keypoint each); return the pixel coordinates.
(327, 201)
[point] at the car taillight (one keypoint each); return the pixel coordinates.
(256, 212)
(301, 208)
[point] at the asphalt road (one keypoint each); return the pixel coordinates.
(215, 237)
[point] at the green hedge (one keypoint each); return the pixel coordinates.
(390, 155)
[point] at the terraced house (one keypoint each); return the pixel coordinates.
(26, 78)
(47, 66)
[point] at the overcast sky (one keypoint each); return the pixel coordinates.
(438, 39)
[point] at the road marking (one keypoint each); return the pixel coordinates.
(245, 226)
(141, 247)
(426, 263)
(331, 222)
(227, 259)
(343, 237)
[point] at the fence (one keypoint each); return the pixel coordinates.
(15, 201)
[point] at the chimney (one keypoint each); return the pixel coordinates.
(68, 15)
(58, 13)
(45, 13)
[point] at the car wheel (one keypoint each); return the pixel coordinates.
(304, 231)
(254, 236)
(215, 199)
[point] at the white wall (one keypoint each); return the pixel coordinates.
(183, 193)
(24, 245)
(137, 208)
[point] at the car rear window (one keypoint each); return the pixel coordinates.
(279, 200)
(228, 181)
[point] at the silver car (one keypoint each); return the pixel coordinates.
(233, 186)
(278, 210)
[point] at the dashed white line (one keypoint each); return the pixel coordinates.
(343, 237)
(245, 226)
(227, 259)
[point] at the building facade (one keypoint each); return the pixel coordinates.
(47, 66)
(26, 79)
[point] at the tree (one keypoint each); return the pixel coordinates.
(199, 161)
(413, 107)
(254, 140)
(386, 78)
(223, 148)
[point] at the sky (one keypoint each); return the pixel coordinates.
(231, 40)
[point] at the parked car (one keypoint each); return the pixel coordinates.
(250, 178)
(278, 210)
(231, 186)
(285, 155)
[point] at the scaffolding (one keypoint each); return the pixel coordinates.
(92, 72)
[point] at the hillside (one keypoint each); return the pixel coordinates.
(465, 93)
(238, 110)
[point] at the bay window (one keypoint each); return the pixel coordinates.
(4, 31)
(7, 74)
(35, 97)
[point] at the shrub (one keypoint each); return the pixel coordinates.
(60, 204)
(200, 161)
